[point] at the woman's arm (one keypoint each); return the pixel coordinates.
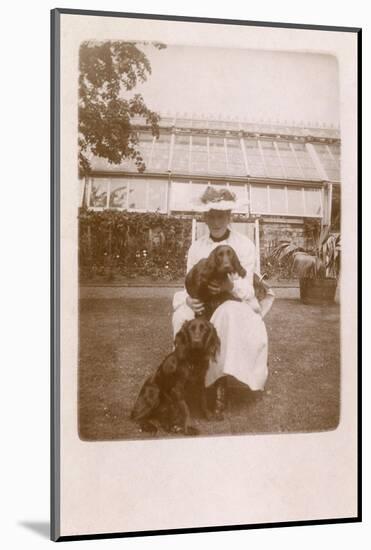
(243, 286)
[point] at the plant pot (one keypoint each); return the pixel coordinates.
(318, 291)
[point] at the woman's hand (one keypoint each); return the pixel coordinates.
(195, 305)
(224, 286)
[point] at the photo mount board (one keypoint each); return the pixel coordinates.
(98, 515)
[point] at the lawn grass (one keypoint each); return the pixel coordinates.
(122, 340)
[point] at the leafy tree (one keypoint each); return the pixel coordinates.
(106, 70)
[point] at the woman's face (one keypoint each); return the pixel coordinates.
(217, 221)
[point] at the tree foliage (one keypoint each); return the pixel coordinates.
(106, 71)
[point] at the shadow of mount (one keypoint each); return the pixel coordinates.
(42, 528)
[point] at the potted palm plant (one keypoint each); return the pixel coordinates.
(317, 268)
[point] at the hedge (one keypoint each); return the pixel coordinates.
(131, 244)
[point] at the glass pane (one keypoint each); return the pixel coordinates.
(216, 144)
(310, 174)
(255, 161)
(333, 175)
(198, 143)
(252, 148)
(137, 119)
(259, 199)
(157, 195)
(236, 169)
(199, 124)
(277, 199)
(335, 149)
(330, 163)
(145, 146)
(183, 123)
(98, 193)
(137, 194)
(180, 195)
(295, 200)
(166, 122)
(293, 172)
(321, 149)
(313, 202)
(241, 194)
(160, 154)
(217, 165)
(298, 146)
(285, 150)
(181, 141)
(197, 190)
(305, 161)
(236, 165)
(119, 193)
(180, 160)
(199, 162)
(256, 168)
(289, 162)
(273, 167)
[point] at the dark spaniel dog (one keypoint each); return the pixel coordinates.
(162, 398)
(221, 262)
(196, 343)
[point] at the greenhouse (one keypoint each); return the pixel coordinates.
(286, 174)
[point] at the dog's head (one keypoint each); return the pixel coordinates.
(147, 400)
(198, 335)
(224, 260)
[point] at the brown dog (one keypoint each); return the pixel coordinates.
(162, 398)
(221, 262)
(196, 343)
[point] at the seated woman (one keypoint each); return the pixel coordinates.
(240, 325)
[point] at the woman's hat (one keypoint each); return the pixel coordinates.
(219, 199)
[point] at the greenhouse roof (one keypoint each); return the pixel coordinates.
(235, 149)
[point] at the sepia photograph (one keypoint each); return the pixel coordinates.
(209, 241)
(205, 372)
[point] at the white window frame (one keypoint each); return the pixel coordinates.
(129, 182)
(269, 212)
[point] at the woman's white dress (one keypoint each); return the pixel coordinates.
(240, 326)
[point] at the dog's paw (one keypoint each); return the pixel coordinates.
(208, 415)
(191, 430)
(218, 415)
(175, 429)
(149, 428)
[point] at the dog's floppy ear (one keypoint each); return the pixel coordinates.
(182, 342)
(237, 267)
(212, 344)
(210, 265)
(191, 283)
